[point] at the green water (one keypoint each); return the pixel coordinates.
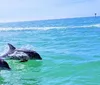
(71, 56)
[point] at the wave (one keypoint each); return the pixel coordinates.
(49, 28)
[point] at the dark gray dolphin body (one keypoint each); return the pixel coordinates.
(21, 54)
(4, 65)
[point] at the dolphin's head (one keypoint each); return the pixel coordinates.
(37, 56)
(4, 65)
(33, 55)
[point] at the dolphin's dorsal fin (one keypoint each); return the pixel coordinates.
(11, 47)
(10, 51)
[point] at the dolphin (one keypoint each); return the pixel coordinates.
(4, 65)
(21, 54)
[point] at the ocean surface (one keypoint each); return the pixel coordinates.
(70, 49)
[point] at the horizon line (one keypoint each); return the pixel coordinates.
(46, 19)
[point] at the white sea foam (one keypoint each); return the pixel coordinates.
(50, 28)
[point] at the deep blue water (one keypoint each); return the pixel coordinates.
(69, 48)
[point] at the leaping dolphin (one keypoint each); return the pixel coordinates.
(21, 54)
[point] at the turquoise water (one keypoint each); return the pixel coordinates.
(69, 48)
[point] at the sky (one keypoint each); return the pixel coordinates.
(26, 10)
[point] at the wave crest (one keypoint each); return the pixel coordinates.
(49, 28)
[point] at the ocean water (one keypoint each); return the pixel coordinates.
(70, 49)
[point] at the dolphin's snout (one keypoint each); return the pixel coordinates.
(37, 56)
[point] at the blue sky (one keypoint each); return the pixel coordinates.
(23, 10)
